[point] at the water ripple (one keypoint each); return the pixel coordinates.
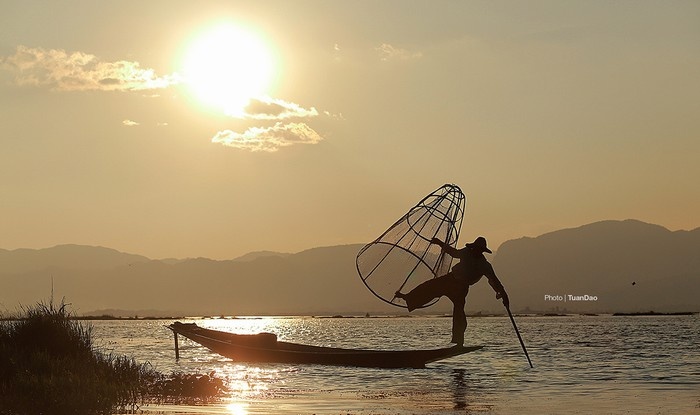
(643, 364)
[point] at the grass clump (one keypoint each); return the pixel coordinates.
(49, 365)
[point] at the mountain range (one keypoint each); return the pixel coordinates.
(606, 266)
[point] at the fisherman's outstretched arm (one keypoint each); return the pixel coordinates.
(453, 252)
(495, 283)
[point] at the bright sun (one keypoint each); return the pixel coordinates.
(226, 66)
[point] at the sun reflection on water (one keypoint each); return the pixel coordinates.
(237, 408)
(250, 325)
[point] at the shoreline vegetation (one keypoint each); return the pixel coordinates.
(50, 365)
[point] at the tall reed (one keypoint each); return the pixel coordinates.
(50, 366)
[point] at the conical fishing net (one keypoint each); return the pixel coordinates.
(403, 257)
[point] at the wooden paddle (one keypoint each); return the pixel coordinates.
(519, 337)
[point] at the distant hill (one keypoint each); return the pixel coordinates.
(628, 265)
(64, 256)
(601, 259)
(252, 256)
(317, 281)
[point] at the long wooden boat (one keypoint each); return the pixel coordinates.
(265, 348)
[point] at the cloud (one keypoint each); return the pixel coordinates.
(78, 71)
(338, 116)
(130, 123)
(389, 52)
(268, 139)
(276, 109)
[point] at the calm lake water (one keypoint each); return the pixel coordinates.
(583, 365)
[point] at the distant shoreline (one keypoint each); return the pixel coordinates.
(339, 316)
(654, 313)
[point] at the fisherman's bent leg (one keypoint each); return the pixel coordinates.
(425, 292)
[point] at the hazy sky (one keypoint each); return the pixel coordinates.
(183, 128)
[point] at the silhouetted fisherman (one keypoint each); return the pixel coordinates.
(455, 284)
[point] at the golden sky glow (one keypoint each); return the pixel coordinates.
(215, 128)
